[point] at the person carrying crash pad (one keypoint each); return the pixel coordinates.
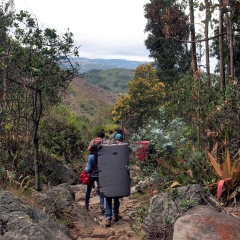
(112, 210)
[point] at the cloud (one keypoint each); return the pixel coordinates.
(104, 29)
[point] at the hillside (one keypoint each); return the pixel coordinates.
(114, 80)
(89, 100)
(104, 80)
(89, 64)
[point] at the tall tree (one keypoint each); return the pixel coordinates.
(167, 22)
(193, 38)
(221, 50)
(42, 71)
(226, 47)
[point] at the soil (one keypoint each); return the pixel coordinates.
(128, 226)
(125, 228)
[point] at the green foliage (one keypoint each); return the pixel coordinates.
(189, 96)
(173, 142)
(110, 128)
(64, 134)
(166, 21)
(172, 156)
(186, 204)
(145, 95)
(141, 215)
(180, 201)
(166, 138)
(166, 220)
(214, 115)
(35, 69)
(233, 15)
(147, 169)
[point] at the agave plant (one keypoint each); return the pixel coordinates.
(228, 173)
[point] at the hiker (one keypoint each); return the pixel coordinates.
(93, 163)
(113, 210)
(119, 131)
(117, 138)
(96, 141)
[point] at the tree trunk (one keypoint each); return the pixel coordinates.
(230, 44)
(192, 31)
(36, 157)
(37, 112)
(222, 68)
(207, 42)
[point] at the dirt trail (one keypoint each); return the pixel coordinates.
(123, 229)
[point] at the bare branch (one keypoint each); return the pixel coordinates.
(201, 40)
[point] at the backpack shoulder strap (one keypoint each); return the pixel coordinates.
(94, 166)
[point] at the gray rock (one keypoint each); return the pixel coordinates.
(57, 199)
(65, 174)
(166, 207)
(55, 172)
(61, 200)
(19, 220)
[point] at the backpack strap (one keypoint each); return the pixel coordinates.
(94, 166)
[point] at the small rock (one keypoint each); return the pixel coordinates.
(100, 232)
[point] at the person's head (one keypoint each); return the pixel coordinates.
(119, 130)
(101, 134)
(118, 137)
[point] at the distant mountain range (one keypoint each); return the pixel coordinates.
(100, 64)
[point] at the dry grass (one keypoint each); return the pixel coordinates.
(89, 100)
(21, 187)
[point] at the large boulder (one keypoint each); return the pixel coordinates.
(62, 174)
(205, 222)
(60, 201)
(166, 207)
(55, 172)
(19, 220)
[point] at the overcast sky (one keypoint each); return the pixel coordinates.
(108, 29)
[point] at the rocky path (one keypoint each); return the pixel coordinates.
(123, 229)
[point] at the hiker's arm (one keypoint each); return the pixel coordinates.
(89, 164)
(89, 146)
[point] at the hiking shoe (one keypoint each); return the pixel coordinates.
(115, 218)
(108, 222)
(86, 207)
(102, 209)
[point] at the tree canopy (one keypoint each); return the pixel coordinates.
(35, 69)
(166, 22)
(145, 95)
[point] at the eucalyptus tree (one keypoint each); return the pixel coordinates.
(166, 27)
(42, 71)
(193, 37)
(221, 48)
(206, 33)
(226, 48)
